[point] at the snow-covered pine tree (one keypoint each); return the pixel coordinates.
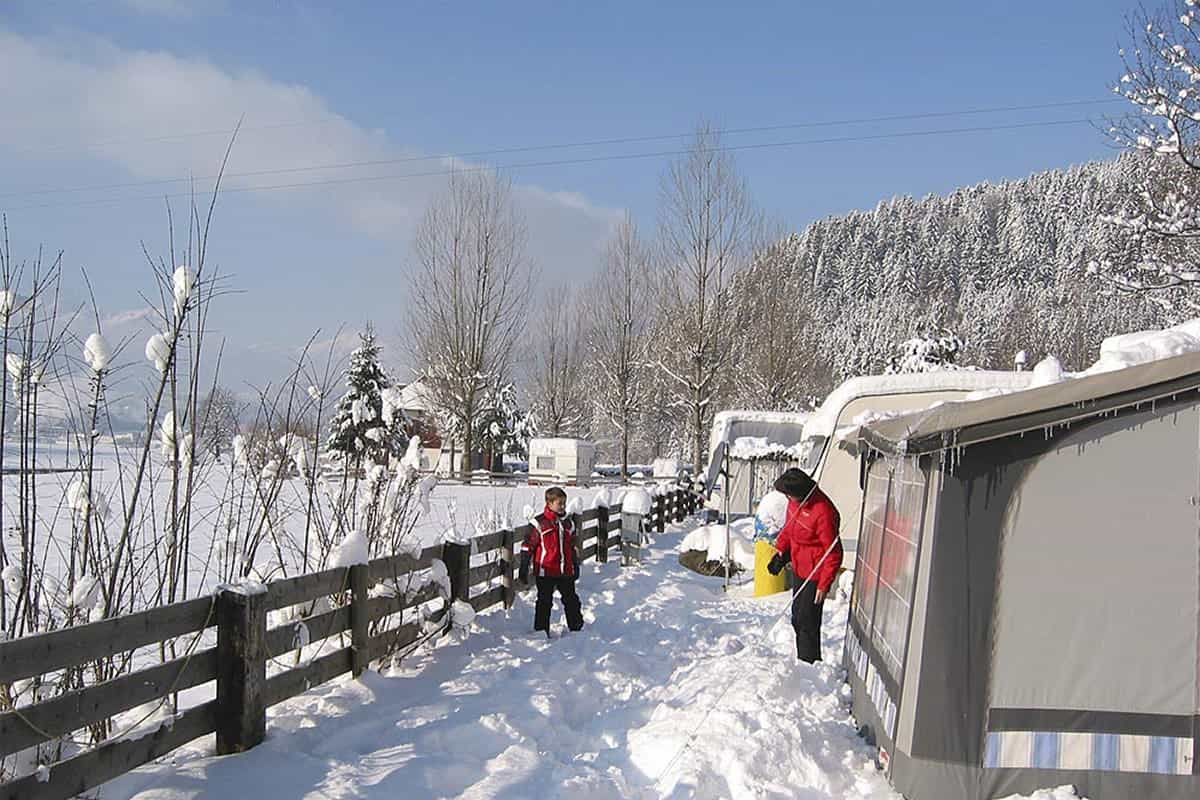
(363, 431)
(926, 352)
(502, 427)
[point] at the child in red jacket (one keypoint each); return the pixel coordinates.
(810, 540)
(551, 550)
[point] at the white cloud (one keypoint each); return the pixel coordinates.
(127, 317)
(174, 8)
(135, 109)
(85, 100)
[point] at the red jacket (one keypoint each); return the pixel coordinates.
(811, 528)
(551, 545)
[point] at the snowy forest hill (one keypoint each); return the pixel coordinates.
(1001, 265)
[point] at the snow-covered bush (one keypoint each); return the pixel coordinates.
(927, 352)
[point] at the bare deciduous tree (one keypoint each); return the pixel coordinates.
(220, 414)
(708, 229)
(617, 346)
(470, 281)
(558, 403)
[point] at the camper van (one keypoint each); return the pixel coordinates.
(561, 461)
(759, 446)
(828, 449)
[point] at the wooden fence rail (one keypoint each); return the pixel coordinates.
(354, 629)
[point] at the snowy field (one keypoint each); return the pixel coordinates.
(223, 493)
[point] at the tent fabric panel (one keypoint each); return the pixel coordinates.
(950, 701)
(1076, 721)
(866, 558)
(1101, 752)
(1097, 600)
(916, 634)
(901, 538)
(1090, 783)
(872, 694)
(924, 779)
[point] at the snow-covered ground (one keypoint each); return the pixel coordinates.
(609, 712)
(673, 689)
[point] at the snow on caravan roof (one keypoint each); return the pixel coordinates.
(561, 440)
(778, 427)
(956, 424)
(823, 421)
(1133, 368)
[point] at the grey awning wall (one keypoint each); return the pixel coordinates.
(1055, 630)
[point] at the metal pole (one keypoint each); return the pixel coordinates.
(725, 503)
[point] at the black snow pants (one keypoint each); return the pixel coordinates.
(545, 599)
(806, 621)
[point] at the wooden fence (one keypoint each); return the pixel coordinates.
(361, 626)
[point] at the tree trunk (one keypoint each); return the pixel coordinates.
(468, 436)
(625, 451)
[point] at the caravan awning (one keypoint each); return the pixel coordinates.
(954, 424)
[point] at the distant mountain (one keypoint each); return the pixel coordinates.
(1000, 264)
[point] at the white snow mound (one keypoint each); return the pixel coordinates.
(352, 550)
(711, 539)
(636, 501)
(771, 513)
(1059, 793)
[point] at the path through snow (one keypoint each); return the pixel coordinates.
(595, 714)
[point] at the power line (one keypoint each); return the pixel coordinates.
(574, 161)
(544, 147)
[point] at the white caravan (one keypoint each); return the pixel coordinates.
(561, 461)
(829, 449)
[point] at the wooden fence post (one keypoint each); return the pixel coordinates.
(577, 527)
(457, 558)
(360, 617)
(602, 534)
(241, 668)
(660, 506)
(510, 566)
(680, 503)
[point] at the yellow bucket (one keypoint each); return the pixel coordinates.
(764, 582)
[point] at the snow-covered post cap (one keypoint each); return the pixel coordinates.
(636, 501)
(602, 499)
(244, 586)
(351, 551)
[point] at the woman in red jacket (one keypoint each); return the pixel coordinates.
(551, 551)
(810, 541)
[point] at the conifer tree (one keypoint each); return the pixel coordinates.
(368, 427)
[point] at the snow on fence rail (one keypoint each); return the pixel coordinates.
(244, 645)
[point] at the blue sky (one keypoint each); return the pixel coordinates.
(103, 93)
